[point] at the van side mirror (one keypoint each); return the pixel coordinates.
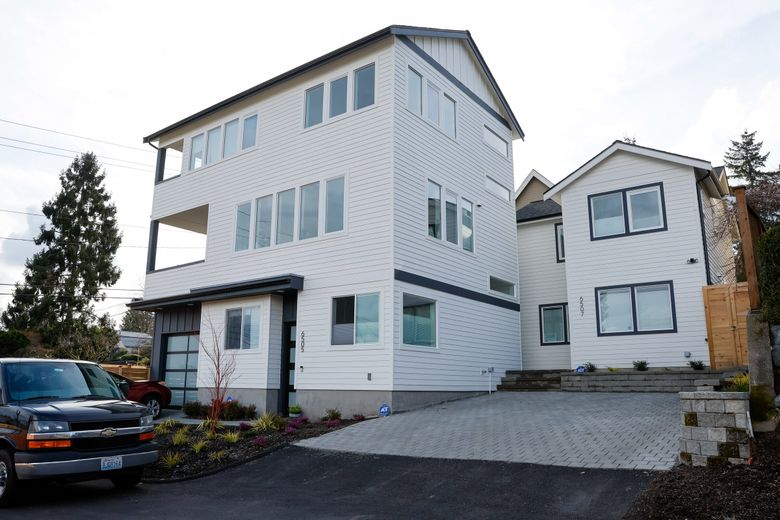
(124, 386)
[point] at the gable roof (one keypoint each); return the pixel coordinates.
(533, 174)
(537, 210)
(397, 30)
(699, 164)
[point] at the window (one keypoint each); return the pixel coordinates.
(334, 205)
(502, 286)
(495, 141)
(419, 321)
(212, 145)
(242, 328)
(434, 210)
(364, 86)
(355, 320)
(432, 104)
(451, 217)
(414, 91)
(338, 97)
(285, 216)
(263, 214)
(314, 99)
(249, 136)
(467, 225)
(636, 309)
(497, 189)
(560, 251)
(309, 211)
(196, 152)
(230, 143)
(243, 215)
(448, 115)
(554, 324)
(627, 212)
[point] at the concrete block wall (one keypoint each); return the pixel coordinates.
(635, 381)
(715, 428)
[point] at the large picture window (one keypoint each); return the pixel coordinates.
(636, 309)
(627, 212)
(554, 324)
(419, 321)
(242, 328)
(355, 320)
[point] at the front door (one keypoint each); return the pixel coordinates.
(180, 368)
(287, 392)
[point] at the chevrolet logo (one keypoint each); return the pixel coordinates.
(108, 433)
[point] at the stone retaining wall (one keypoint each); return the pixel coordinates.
(635, 381)
(715, 428)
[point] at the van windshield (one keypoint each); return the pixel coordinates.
(26, 381)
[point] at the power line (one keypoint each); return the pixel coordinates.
(138, 226)
(121, 245)
(69, 157)
(52, 285)
(76, 136)
(104, 297)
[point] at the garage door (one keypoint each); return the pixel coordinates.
(181, 368)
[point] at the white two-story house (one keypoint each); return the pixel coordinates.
(613, 259)
(360, 240)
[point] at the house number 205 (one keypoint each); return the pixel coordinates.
(582, 307)
(303, 340)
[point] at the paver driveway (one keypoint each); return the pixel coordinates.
(587, 430)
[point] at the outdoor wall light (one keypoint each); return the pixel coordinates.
(687, 354)
(692, 261)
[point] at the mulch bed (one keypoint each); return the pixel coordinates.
(720, 492)
(219, 452)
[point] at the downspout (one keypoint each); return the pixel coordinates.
(703, 232)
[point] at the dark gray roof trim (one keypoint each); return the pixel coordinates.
(276, 284)
(399, 30)
(538, 209)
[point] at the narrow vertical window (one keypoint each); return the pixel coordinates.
(432, 100)
(249, 136)
(467, 225)
(243, 214)
(314, 98)
(414, 91)
(250, 328)
(212, 144)
(364, 86)
(338, 97)
(196, 152)
(285, 216)
(334, 205)
(233, 329)
(451, 217)
(230, 143)
(343, 324)
(367, 318)
(309, 211)
(560, 250)
(263, 214)
(448, 115)
(434, 210)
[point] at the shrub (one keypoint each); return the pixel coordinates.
(640, 365)
(171, 459)
(231, 437)
(358, 417)
(589, 367)
(769, 274)
(235, 411)
(217, 456)
(267, 422)
(296, 408)
(170, 423)
(739, 383)
(209, 425)
(261, 441)
(762, 404)
(244, 427)
(612, 369)
(332, 414)
(198, 446)
(289, 430)
(195, 409)
(696, 364)
(332, 423)
(162, 429)
(181, 437)
(12, 342)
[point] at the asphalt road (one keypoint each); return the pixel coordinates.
(301, 483)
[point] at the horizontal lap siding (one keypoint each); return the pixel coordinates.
(472, 335)
(542, 281)
(636, 259)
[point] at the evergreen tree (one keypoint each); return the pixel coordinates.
(744, 158)
(80, 243)
(138, 321)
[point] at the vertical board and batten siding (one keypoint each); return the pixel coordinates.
(718, 229)
(472, 335)
(542, 281)
(649, 257)
(358, 146)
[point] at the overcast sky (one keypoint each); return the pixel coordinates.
(681, 76)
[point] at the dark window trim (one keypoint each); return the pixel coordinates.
(627, 229)
(632, 287)
(436, 285)
(241, 332)
(557, 248)
(565, 306)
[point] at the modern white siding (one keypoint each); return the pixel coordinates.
(718, 226)
(650, 257)
(472, 335)
(542, 281)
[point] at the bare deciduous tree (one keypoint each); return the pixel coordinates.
(221, 369)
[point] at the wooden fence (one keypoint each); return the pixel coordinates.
(134, 372)
(726, 308)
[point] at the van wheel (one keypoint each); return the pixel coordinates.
(9, 485)
(128, 479)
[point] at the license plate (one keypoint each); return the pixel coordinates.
(109, 463)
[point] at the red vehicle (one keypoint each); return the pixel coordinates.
(154, 394)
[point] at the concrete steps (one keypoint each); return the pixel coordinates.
(530, 381)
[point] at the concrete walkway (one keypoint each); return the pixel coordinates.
(585, 430)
